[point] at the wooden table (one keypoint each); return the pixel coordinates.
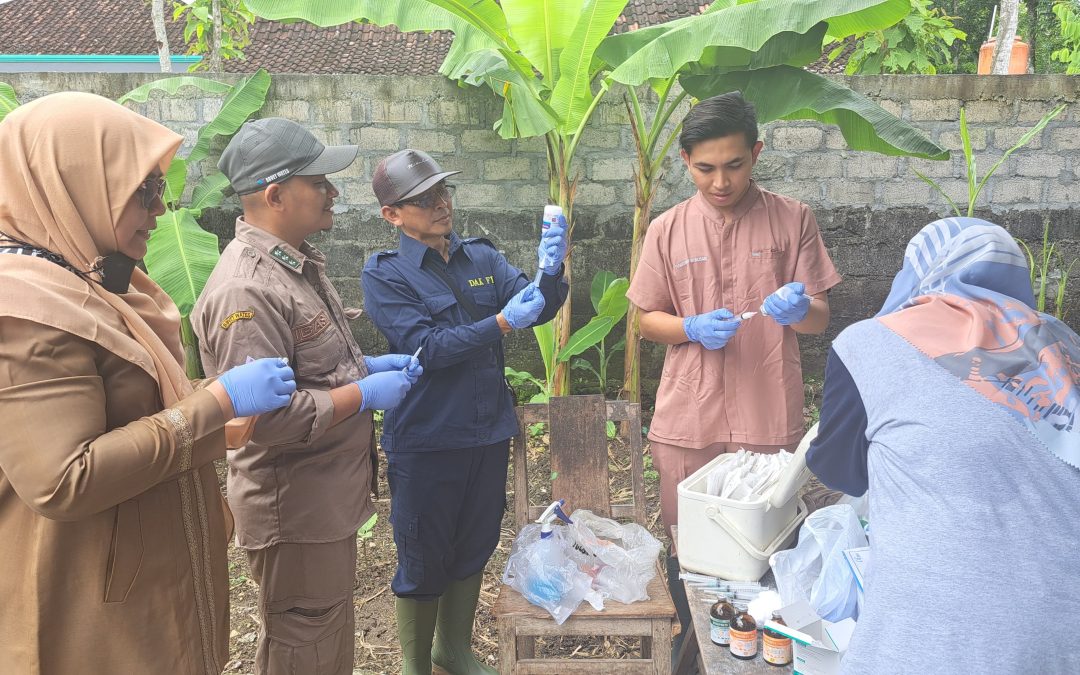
(712, 659)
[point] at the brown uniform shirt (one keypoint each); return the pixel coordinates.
(694, 261)
(298, 480)
(112, 528)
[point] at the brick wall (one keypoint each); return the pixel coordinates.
(868, 205)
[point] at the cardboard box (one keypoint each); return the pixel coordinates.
(817, 645)
(858, 559)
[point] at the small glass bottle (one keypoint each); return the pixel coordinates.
(743, 632)
(775, 648)
(720, 617)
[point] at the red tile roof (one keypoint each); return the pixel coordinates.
(125, 27)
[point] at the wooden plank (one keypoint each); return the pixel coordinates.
(661, 646)
(620, 411)
(578, 450)
(519, 445)
(718, 660)
(585, 666)
(511, 603)
(507, 647)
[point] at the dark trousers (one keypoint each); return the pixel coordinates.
(446, 508)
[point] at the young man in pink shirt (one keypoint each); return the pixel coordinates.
(731, 248)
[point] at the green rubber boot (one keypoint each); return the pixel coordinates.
(416, 630)
(453, 630)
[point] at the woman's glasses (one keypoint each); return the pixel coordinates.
(441, 193)
(150, 191)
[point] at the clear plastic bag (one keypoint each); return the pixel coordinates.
(543, 571)
(815, 570)
(622, 558)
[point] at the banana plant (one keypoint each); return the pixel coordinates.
(537, 56)
(608, 296)
(8, 102)
(553, 61)
(758, 48)
(180, 254)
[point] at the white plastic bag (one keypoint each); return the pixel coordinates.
(815, 570)
(622, 557)
(542, 571)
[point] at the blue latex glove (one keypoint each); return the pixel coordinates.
(381, 364)
(382, 391)
(552, 249)
(259, 386)
(788, 305)
(524, 308)
(712, 329)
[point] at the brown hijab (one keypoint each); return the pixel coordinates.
(69, 163)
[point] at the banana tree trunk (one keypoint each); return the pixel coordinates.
(562, 190)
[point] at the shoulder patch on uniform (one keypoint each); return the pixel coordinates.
(478, 240)
(243, 315)
(284, 256)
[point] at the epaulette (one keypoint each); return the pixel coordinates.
(382, 254)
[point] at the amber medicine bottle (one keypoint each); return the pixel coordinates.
(743, 634)
(720, 617)
(775, 648)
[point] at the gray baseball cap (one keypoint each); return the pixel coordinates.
(273, 149)
(406, 174)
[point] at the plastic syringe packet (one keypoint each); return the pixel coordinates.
(746, 475)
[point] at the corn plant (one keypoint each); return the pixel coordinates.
(975, 184)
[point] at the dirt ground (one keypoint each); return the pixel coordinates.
(377, 650)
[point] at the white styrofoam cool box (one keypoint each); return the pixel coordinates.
(733, 539)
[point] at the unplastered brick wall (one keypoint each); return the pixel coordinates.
(868, 205)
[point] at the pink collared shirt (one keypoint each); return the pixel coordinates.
(694, 261)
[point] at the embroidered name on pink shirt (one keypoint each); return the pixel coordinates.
(684, 263)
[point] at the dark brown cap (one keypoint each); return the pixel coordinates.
(404, 175)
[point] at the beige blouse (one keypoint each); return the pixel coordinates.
(113, 527)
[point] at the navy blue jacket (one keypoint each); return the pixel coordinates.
(462, 399)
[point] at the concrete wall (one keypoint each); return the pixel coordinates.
(868, 205)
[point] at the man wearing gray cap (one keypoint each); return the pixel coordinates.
(300, 488)
(447, 444)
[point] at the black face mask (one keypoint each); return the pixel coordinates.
(115, 270)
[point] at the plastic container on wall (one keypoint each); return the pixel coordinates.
(1018, 60)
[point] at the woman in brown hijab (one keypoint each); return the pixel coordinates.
(112, 527)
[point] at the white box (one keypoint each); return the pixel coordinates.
(733, 539)
(818, 646)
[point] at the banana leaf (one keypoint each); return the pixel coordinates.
(180, 257)
(587, 336)
(171, 85)
(539, 29)
(614, 303)
(175, 181)
(407, 15)
(573, 94)
(793, 49)
(661, 51)
(8, 102)
(600, 282)
(209, 192)
(789, 93)
(545, 340)
(245, 99)
(524, 113)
